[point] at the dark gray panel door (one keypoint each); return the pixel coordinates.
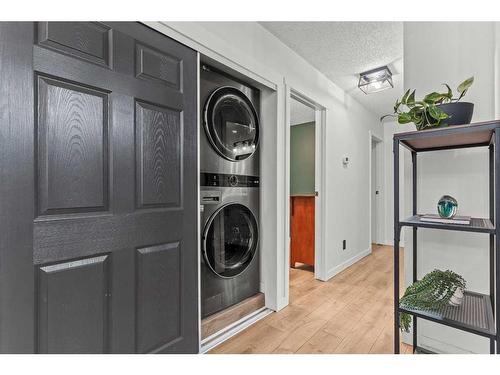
(99, 207)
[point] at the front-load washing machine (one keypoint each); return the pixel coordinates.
(230, 119)
(230, 240)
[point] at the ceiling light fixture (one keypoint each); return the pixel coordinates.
(375, 80)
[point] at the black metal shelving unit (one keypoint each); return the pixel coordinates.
(478, 311)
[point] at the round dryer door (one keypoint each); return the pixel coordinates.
(231, 123)
(230, 240)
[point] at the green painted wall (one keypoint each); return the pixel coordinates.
(302, 158)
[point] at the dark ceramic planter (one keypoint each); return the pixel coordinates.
(460, 113)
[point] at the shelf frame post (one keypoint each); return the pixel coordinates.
(396, 245)
(491, 150)
(414, 260)
(496, 254)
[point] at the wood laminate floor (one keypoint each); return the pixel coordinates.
(351, 313)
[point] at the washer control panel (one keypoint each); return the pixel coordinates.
(210, 197)
(228, 180)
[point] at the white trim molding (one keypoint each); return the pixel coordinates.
(381, 209)
(320, 267)
(438, 346)
(226, 333)
(349, 262)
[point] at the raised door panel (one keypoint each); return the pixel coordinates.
(158, 66)
(73, 306)
(90, 41)
(72, 139)
(159, 303)
(159, 156)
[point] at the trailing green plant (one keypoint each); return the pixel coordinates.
(426, 113)
(432, 292)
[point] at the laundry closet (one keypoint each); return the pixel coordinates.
(230, 269)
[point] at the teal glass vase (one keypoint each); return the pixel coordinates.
(447, 207)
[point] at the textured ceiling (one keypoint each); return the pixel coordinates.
(300, 113)
(342, 50)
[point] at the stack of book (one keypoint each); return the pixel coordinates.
(434, 218)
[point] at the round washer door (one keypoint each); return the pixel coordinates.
(231, 123)
(230, 240)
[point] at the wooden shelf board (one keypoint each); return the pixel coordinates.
(450, 137)
(478, 225)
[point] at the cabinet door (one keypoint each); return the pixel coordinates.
(302, 230)
(99, 206)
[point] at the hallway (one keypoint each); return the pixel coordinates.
(351, 313)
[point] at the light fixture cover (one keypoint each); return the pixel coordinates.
(375, 80)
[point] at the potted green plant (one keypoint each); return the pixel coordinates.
(435, 109)
(435, 290)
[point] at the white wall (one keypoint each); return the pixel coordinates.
(248, 45)
(347, 189)
(450, 52)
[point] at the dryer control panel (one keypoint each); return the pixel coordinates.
(228, 180)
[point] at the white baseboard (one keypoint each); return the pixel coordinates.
(407, 337)
(349, 262)
(433, 345)
(437, 346)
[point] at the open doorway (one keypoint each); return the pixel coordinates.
(376, 183)
(302, 186)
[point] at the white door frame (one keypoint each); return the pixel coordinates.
(320, 269)
(374, 138)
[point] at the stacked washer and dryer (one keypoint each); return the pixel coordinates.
(229, 166)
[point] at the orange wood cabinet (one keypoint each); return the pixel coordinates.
(302, 230)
